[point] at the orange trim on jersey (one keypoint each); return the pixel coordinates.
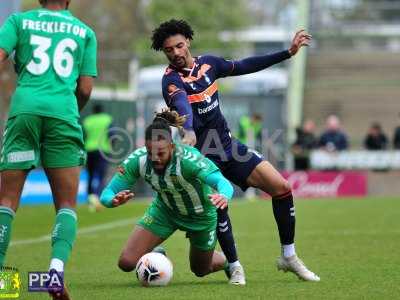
(202, 96)
(203, 69)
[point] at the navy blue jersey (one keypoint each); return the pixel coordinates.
(194, 92)
(201, 88)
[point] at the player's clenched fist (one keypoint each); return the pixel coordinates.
(122, 197)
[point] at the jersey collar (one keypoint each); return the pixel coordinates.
(186, 72)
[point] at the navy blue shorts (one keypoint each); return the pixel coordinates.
(239, 165)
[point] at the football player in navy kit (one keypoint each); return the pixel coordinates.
(189, 86)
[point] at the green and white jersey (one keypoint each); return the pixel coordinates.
(52, 49)
(181, 188)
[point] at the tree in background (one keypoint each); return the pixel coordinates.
(358, 11)
(207, 17)
(123, 28)
(117, 24)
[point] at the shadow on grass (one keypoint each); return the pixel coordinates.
(134, 284)
(198, 283)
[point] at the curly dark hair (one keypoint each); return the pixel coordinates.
(170, 28)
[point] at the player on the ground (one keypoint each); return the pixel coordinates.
(183, 180)
(55, 60)
(189, 86)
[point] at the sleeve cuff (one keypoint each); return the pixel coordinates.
(91, 74)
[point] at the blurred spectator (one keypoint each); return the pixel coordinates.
(97, 143)
(305, 142)
(396, 139)
(250, 134)
(250, 131)
(375, 139)
(333, 139)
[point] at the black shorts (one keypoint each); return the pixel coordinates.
(239, 165)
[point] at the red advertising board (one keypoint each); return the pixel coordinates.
(318, 184)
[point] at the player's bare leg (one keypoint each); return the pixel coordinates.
(140, 242)
(205, 262)
(64, 184)
(12, 183)
(268, 179)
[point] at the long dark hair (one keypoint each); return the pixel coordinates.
(160, 128)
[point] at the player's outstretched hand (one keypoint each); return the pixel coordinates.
(219, 200)
(302, 38)
(189, 137)
(122, 197)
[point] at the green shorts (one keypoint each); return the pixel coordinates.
(30, 140)
(162, 222)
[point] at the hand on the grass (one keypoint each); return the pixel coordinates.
(302, 38)
(219, 200)
(122, 197)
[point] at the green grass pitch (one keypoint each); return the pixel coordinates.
(352, 244)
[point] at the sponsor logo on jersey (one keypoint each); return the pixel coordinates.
(208, 108)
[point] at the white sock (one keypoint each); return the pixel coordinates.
(288, 250)
(234, 264)
(57, 264)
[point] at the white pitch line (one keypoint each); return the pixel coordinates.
(83, 231)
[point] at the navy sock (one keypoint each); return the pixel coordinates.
(285, 217)
(225, 235)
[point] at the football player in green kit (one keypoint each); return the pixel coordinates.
(184, 182)
(55, 60)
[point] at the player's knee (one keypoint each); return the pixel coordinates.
(199, 271)
(286, 186)
(283, 187)
(126, 264)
